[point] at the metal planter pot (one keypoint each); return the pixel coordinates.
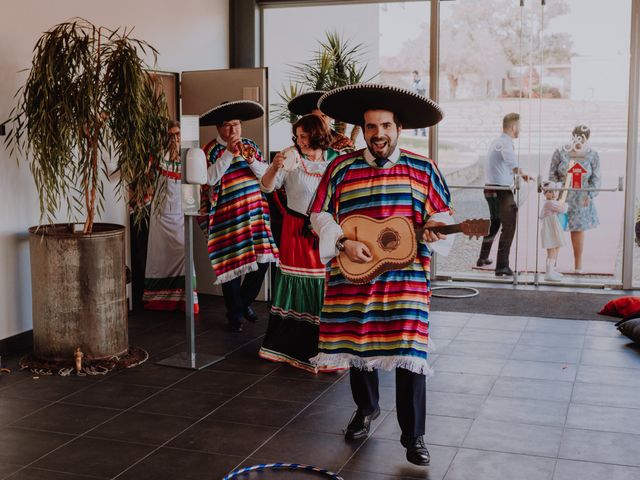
(78, 292)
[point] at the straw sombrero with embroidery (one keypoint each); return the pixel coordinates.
(242, 110)
(305, 103)
(348, 104)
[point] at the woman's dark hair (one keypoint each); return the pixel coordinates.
(314, 126)
(581, 131)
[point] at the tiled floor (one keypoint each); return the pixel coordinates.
(513, 398)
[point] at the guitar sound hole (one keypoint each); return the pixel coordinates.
(388, 239)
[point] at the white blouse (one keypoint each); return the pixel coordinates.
(301, 183)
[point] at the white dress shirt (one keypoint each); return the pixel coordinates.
(501, 161)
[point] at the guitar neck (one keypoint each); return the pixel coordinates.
(446, 229)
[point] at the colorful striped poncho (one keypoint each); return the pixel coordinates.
(383, 324)
(238, 229)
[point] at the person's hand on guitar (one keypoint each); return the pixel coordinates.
(357, 251)
(430, 236)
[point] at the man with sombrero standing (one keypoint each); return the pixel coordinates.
(238, 231)
(307, 103)
(383, 324)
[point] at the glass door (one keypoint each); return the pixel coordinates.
(551, 63)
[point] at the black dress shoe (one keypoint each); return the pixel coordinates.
(250, 315)
(504, 271)
(483, 261)
(359, 425)
(417, 452)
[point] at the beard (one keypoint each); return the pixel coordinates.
(381, 146)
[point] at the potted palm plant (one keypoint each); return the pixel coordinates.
(89, 114)
(336, 63)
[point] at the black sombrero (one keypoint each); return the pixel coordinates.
(237, 110)
(348, 104)
(304, 103)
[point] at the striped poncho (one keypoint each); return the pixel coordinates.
(383, 324)
(238, 229)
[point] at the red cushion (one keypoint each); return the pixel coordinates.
(622, 307)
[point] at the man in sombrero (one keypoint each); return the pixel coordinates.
(237, 223)
(307, 103)
(383, 324)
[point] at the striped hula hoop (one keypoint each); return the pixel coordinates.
(282, 466)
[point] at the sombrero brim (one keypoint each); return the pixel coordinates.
(348, 104)
(242, 110)
(304, 103)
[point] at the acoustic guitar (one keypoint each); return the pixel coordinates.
(393, 243)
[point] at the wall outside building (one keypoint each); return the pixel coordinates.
(189, 35)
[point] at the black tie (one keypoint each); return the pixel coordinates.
(381, 162)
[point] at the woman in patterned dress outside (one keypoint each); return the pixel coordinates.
(582, 213)
(292, 334)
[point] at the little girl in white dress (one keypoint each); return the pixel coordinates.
(551, 232)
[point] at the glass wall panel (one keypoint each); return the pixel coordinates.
(558, 66)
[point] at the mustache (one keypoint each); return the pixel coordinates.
(378, 139)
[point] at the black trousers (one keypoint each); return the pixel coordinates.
(240, 293)
(411, 397)
(504, 212)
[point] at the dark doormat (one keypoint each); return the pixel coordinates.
(528, 303)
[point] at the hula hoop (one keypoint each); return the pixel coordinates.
(282, 466)
(473, 292)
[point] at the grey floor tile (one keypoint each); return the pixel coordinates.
(514, 438)
(437, 346)
(484, 335)
(519, 410)
(44, 474)
(479, 349)
(545, 339)
(623, 357)
(449, 319)
(626, 377)
(447, 431)
(515, 387)
(572, 470)
(481, 465)
(461, 383)
(498, 322)
(602, 329)
(387, 457)
(20, 446)
(541, 370)
(601, 447)
(612, 395)
(604, 418)
(440, 332)
(353, 475)
(539, 353)
(469, 364)
(555, 325)
(329, 419)
(606, 343)
(454, 404)
(311, 448)
(94, 456)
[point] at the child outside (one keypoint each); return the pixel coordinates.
(551, 232)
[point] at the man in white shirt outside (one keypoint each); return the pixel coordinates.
(500, 168)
